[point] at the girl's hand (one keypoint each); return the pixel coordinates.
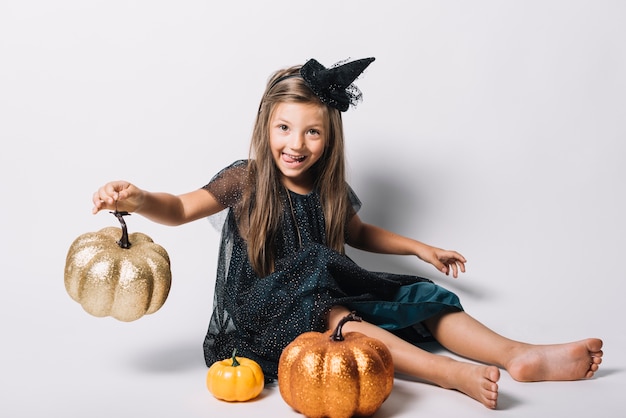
(118, 195)
(446, 260)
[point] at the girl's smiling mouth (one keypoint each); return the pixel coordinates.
(290, 158)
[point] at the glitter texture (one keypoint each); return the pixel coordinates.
(260, 316)
(108, 280)
(320, 377)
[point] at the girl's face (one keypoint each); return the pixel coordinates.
(297, 141)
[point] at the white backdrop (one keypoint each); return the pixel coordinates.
(495, 128)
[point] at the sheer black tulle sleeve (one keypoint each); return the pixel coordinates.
(227, 186)
(355, 202)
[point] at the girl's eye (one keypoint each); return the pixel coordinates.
(314, 132)
(283, 127)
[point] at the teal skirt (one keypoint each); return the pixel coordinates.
(409, 307)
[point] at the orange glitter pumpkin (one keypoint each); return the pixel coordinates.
(332, 375)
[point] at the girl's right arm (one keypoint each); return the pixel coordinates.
(164, 208)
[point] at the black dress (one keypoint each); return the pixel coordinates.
(259, 316)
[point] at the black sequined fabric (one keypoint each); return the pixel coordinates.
(259, 316)
(334, 85)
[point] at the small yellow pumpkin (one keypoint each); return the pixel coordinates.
(125, 278)
(332, 375)
(237, 379)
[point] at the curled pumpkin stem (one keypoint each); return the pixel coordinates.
(337, 335)
(123, 241)
(234, 358)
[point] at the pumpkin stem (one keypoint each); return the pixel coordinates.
(123, 241)
(234, 358)
(337, 335)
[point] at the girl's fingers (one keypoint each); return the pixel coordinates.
(455, 270)
(105, 197)
(455, 264)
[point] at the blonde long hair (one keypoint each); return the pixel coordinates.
(261, 211)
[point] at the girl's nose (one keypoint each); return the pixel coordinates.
(296, 142)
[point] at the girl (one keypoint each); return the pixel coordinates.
(282, 268)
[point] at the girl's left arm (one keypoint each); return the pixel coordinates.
(374, 239)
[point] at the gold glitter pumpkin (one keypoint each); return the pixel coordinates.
(125, 277)
(330, 375)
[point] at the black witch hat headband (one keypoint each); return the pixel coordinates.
(333, 86)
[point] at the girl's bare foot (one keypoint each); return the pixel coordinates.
(570, 361)
(477, 381)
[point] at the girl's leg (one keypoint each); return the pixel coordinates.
(477, 381)
(465, 336)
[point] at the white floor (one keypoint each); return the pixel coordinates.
(59, 361)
